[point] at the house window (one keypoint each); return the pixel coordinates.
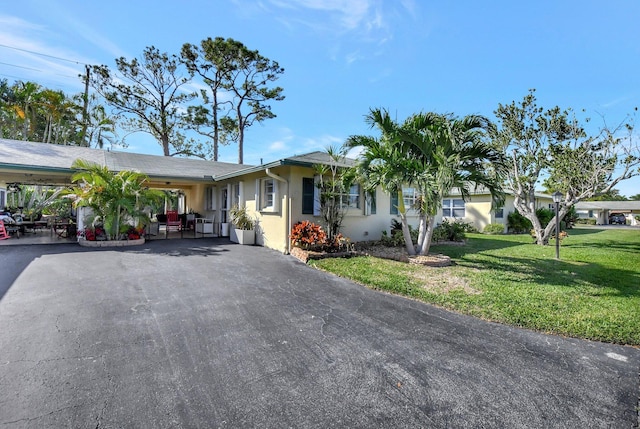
(210, 198)
(351, 200)
(500, 213)
(267, 195)
(235, 195)
(410, 197)
(3, 199)
(308, 195)
(453, 207)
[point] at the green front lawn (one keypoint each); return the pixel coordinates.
(593, 292)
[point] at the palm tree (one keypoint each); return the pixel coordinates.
(386, 163)
(101, 128)
(26, 97)
(433, 152)
(114, 197)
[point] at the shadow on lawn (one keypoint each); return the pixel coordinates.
(558, 273)
(610, 243)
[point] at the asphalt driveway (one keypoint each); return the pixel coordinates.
(207, 334)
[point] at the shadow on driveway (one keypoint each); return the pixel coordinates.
(204, 333)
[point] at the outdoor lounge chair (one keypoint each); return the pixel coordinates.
(173, 221)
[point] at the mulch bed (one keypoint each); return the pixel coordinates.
(378, 251)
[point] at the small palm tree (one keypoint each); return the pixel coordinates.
(433, 152)
(115, 198)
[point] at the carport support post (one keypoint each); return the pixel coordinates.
(556, 199)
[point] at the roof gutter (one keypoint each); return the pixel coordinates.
(287, 211)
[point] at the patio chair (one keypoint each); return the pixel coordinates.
(204, 226)
(173, 221)
(3, 232)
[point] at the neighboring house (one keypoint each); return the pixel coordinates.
(601, 210)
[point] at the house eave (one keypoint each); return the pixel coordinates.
(261, 167)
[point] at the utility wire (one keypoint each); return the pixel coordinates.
(44, 55)
(20, 67)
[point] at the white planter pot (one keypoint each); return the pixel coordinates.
(224, 229)
(245, 236)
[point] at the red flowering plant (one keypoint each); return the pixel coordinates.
(135, 233)
(92, 233)
(308, 235)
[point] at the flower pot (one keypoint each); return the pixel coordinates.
(245, 236)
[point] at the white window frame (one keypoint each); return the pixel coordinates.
(210, 198)
(452, 206)
(410, 196)
(237, 194)
(267, 200)
(351, 199)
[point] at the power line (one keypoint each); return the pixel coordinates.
(31, 68)
(44, 55)
(20, 67)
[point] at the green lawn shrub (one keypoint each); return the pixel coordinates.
(494, 229)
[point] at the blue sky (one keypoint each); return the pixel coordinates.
(342, 57)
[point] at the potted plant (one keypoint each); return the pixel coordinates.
(243, 226)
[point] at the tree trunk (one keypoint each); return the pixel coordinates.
(422, 230)
(426, 243)
(165, 145)
(408, 242)
(411, 250)
(240, 135)
(216, 128)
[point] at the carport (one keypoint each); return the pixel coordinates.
(27, 163)
(601, 210)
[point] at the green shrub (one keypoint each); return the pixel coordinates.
(571, 217)
(450, 231)
(467, 226)
(518, 224)
(494, 229)
(395, 238)
(587, 221)
(544, 216)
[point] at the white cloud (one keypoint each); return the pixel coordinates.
(338, 15)
(350, 22)
(30, 52)
(288, 144)
(278, 146)
(323, 142)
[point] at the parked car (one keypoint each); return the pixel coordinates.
(617, 218)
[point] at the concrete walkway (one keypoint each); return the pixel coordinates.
(206, 334)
